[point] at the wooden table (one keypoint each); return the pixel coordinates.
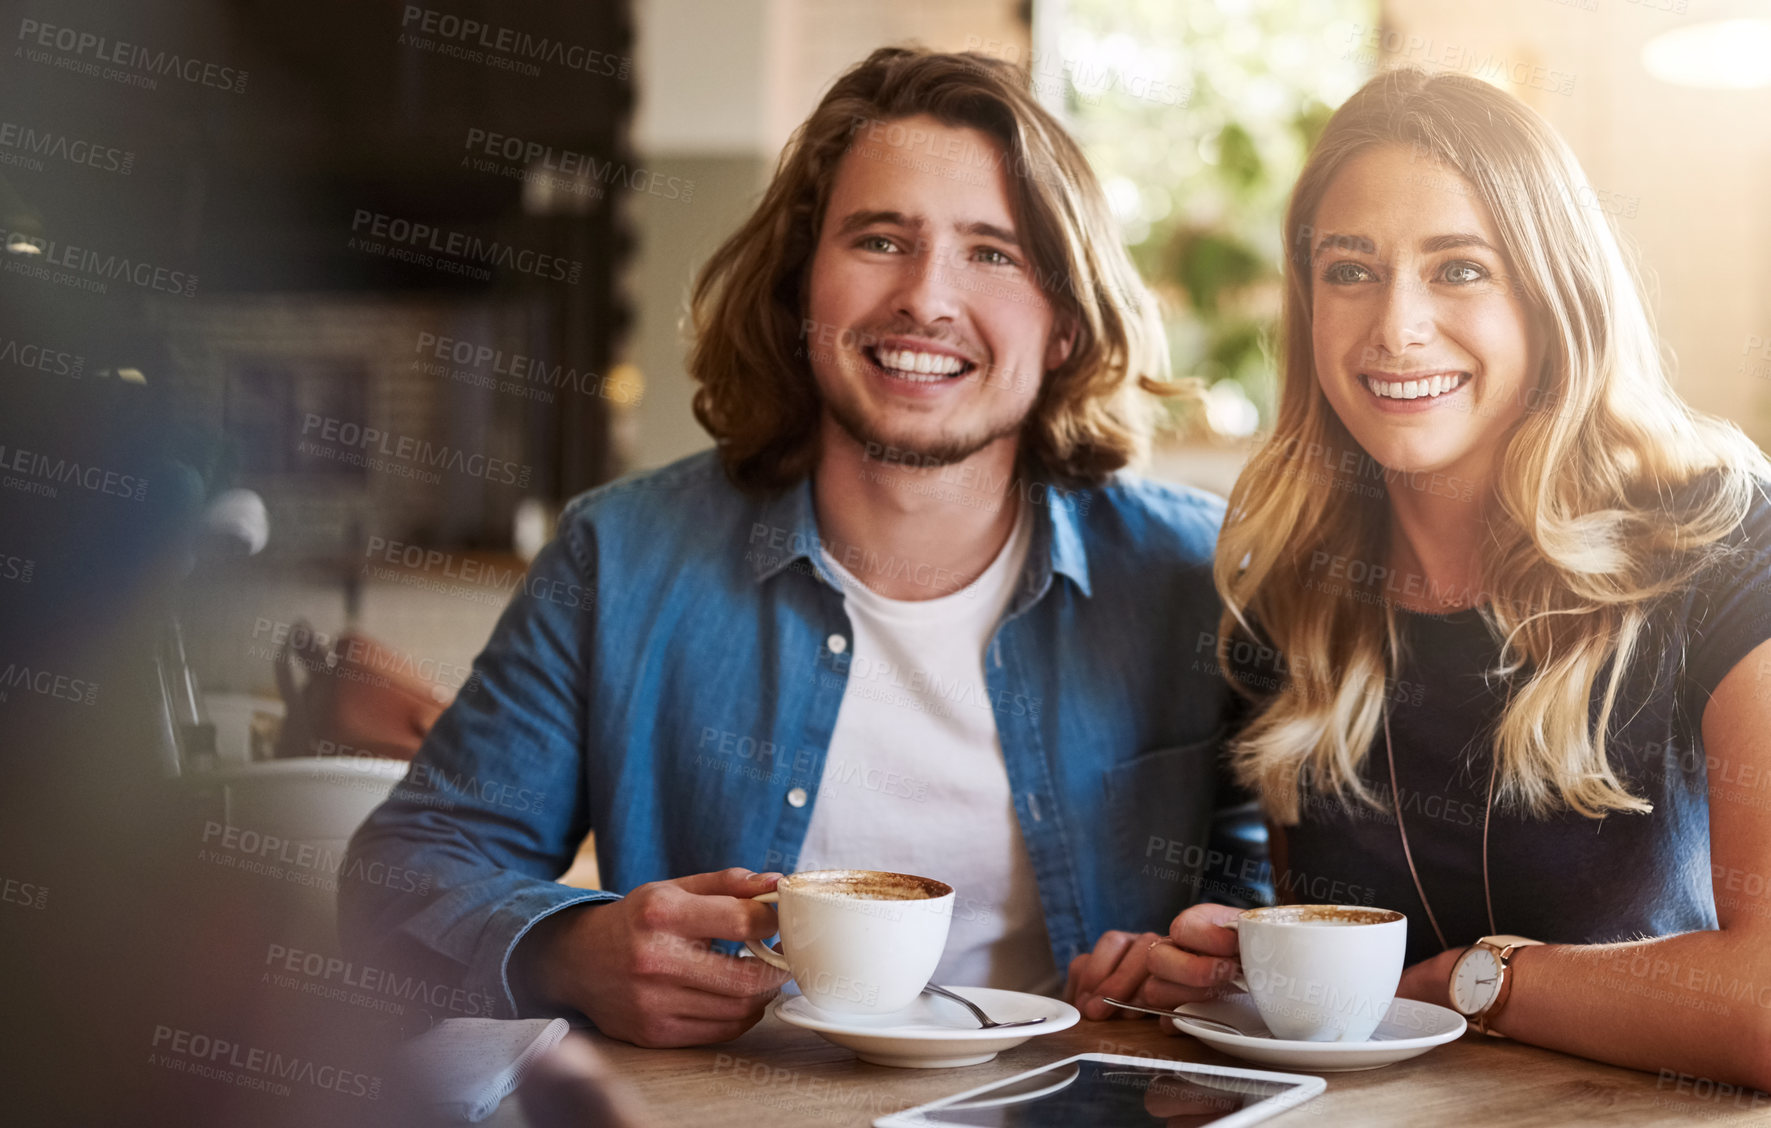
(779, 1076)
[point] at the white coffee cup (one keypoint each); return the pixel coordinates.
(1321, 973)
(861, 942)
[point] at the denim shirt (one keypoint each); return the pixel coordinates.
(669, 675)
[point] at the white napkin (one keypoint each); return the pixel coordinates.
(468, 1065)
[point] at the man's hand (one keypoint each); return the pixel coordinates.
(641, 968)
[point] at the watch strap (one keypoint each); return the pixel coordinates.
(1504, 948)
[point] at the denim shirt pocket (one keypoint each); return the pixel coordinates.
(1159, 805)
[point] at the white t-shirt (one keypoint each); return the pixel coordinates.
(914, 780)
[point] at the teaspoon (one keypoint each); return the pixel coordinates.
(1224, 1026)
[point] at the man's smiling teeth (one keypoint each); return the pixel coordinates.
(908, 362)
(1415, 389)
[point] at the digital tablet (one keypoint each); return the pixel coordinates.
(1115, 1091)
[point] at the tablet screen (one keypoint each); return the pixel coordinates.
(1079, 1094)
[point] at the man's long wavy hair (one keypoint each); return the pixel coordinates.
(757, 396)
(1582, 536)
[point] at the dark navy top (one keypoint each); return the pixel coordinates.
(1564, 879)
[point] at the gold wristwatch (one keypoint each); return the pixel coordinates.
(1481, 980)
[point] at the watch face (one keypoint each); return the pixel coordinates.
(1475, 981)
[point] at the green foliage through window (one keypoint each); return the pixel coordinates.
(1197, 114)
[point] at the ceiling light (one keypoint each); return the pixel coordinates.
(1721, 55)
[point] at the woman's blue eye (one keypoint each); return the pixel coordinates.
(994, 257)
(1345, 272)
(1462, 273)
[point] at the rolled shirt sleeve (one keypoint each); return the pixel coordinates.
(493, 808)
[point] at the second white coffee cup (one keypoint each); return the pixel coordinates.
(860, 942)
(1322, 973)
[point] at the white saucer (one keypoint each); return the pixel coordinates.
(1409, 1029)
(934, 1033)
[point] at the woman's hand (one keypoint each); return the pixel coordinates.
(1116, 968)
(1195, 961)
(1199, 958)
(1429, 981)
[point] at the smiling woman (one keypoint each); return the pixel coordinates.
(1516, 678)
(1409, 310)
(1559, 427)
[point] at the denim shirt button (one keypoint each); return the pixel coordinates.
(796, 797)
(836, 643)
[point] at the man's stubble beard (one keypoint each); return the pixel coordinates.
(945, 450)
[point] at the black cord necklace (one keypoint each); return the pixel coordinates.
(1408, 855)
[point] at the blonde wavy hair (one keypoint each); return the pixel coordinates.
(757, 397)
(1583, 533)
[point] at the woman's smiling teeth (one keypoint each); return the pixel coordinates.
(1429, 387)
(913, 365)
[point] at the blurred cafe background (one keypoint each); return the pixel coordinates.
(363, 294)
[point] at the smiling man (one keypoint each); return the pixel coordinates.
(907, 615)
